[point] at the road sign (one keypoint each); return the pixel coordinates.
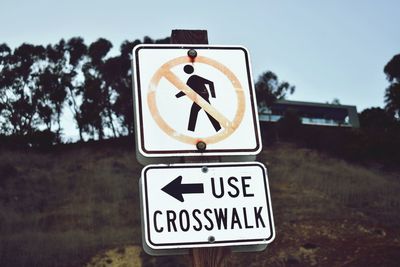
(181, 100)
(206, 205)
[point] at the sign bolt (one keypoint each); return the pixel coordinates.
(201, 146)
(211, 239)
(192, 53)
(204, 169)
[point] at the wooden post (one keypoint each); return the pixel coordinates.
(189, 37)
(210, 257)
(201, 257)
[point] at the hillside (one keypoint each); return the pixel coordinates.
(78, 205)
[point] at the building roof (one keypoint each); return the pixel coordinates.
(345, 115)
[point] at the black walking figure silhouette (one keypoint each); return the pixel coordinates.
(198, 84)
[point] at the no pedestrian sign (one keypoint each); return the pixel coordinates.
(182, 100)
(205, 205)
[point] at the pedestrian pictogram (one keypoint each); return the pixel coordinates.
(181, 101)
(199, 85)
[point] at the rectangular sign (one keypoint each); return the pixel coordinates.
(206, 205)
(191, 94)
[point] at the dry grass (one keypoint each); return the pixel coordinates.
(63, 207)
(325, 183)
(59, 208)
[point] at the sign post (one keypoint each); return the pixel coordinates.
(197, 101)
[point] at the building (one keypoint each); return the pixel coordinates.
(312, 113)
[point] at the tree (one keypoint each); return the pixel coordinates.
(76, 52)
(392, 69)
(5, 53)
(376, 119)
(20, 97)
(392, 93)
(335, 101)
(54, 82)
(118, 74)
(392, 99)
(269, 89)
(117, 79)
(97, 103)
(92, 108)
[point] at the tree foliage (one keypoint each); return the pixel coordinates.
(21, 100)
(376, 119)
(269, 89)
(39, 85)
(96, 102)
(392, 69)
(76, 51)
(392, 93)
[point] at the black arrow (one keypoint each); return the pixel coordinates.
(176, 189)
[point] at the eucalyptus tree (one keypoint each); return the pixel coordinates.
(76, 56)
(269, 89)
(54, 82)
(392, 93)
(20, 96)
(5, 53)
(118, 74)
(96, 103)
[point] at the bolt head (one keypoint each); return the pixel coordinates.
(201, 146)
(192, 53)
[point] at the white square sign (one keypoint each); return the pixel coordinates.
(182, 100)
(206, 205)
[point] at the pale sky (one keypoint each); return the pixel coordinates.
(327, 49)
